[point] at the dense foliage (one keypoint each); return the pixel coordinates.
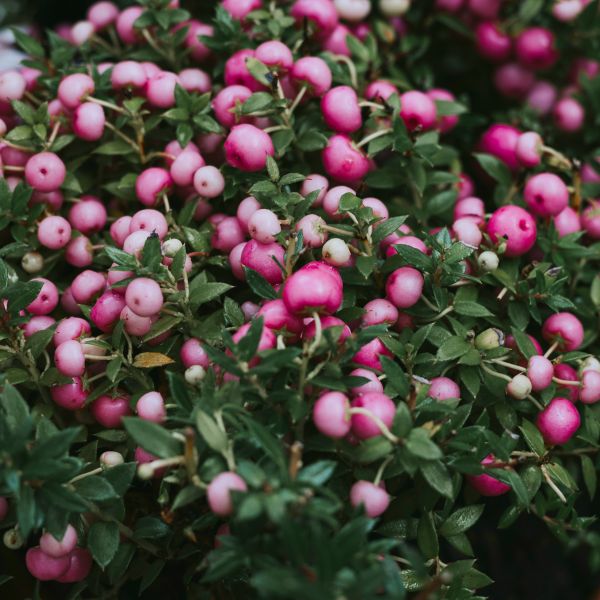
(184, 207)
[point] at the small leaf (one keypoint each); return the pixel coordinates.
(152, 437)
(453, 347)
(212, 434)
(590, 476)
(149, 360)
(461, 520)
(259, 285)
(420, 444)
(103, 542)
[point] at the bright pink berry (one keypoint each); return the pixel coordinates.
(376, 403)
(564, 328)
(73, 89)
(237, 73)
(151, 183)
(343, 161)
(515, 226)
(312, 72)
(80, 565)
(379, 312)
(501, 141)
(276, 316)
(331, 415)
(45, 172)
(417, 110)
(373, 498)
(88, 215)
(87, 285)
(443, 388)
(540, 372)
(534, 48)
(70, 328)
(46, 300)
(151, 407)
(88, 121)
(380, 90)
(487, 485)
(275, 55)
(404, 287)
(102, 14)
(568, 373)
(264, 259)
(558, 422)
(546, 194)
(448, 122)
(144, 297)
(372, 385)
(106, 311)
(340, 109)
(57, 548)
(492, 42)
(125, 24)
(529, 149)
(327, 322)
(219, 492)
(192, 353)
(79, 252)
(316, 287)
(44, 567)
(567, 221)
(247, 148)
(109, 411)
(70, 396)
(370, 354)
(590, 220)
(227, 101)
(321, 13)
(198, 50)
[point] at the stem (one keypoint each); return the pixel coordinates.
(124, 137)
(336, 230)
(298, 99)
(351, 68)
(429, 304)
(502, 293)
(275, 128)
(369, 104)
(566, 382)
(374, 136)
(356, 410)
(295, 459)
(88, 474)
(53, 134)
(535, 402)
(551, 349)
(318, 334)
(106, 104)
(381, 470)
(499, 361)
(495, 373)
(552, 484)
(165, 200)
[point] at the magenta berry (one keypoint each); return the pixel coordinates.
(590, 220)
(227, 101)
(590, 387)
(443, 388)
(276, 316)
(534, 48)
(219, 492)
(373, 498)
(331, 415)
(546, 194)
(487, 485)
(312, 72)
(106, 311)
(109, 411)
(567, 373)
(151, 407)
(327, 322)
(343, 161)
(558, 422)
(44, 567)
(370, 354)
(73, 89)
(193, 353)
(316, 287)
(247, 148)
(529, 149)
(378, 404)
(80, 565)
(237, 73)
(404, 287)
(540, 372)
(151, 184)
(70, 396)
(57, 548)
(46, 300)
(501, 141)
(321, 13)
(144, 297)
(513, 226)
(417, 110)
(275, 55)
(372, 385)
(493, 43)
(567, 221)
(45, 172)
(264, 259)
(340, 109)
(569, 115)
(565, 329)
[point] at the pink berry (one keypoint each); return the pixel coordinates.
(513, 80)
(106, 311)
(332, 199)
(404, 287)
(534, 48)
(195, 80)
(198, 50)
(373, 498)
(380, 90)
(370, 354)
(466, 230)
(276, 316)
(558, 422)
(237, 73)
(102, 14)
(373, 384)
(343, 161)
(501, 141)
(219, 492)
(331, 415)
(590, 388)
(57, 548)
(492, 42)
(247, 148)
(109, 411)
(541, 97)
(316, 287)
(443, 388)
(379, 405)
(240, 9)
(327, 322)
(417, 110)
(128, 74)
(160, 89)
(69, 358)
(312, 72)
(80, 565)
(119, 230)
(149, 220)
(313, 231)
(184, 167)
(54, 232)
(264, 259)
(87, 285)
(515, 226)
(228, 234)
(227, 101)
(569, 115)
(88, 121)
(44, 567)
(151, 183)
(36, 324)
(540, 372)
(79, 252)
(546, 194)
(337, 41)
(45, 172)
(125, 24)
(353, 10)
(46, 300)
(209, 181)
(264, 226)
(12, 86)
(567, 221)
(135, 324)
(88, 215)
(568, 373)
(564, 328)
(70, 396)
(70, 328)
(73, 89)
(379, 312)
(321, 13)
(590, 220)
(487, 485)
(144, 297)
(340, 109)
(151, 407)
(529, 149)
(275, 55)
(448, 122)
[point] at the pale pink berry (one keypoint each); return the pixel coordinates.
(546, 194)
(529, 149)
(88, 121)
(247, 148)
(541, 97)
(321, 14)
(501, 141)
(564, 328)
(73, 89)
(519, 387)
(407, 240)
(417, 110)
(135, 324)
(144, 297)
(264, 226)
(69, 359)
(569, 115)
(379, 208)
(340, 109)
(443, 388)
(160, 89)
(45, 172)
(109, 411)
(534, 48)
(128, 74)
(184, 167)
(470, 206)
(513, 226)
(46, 300)
(316, 287)
(106, 311)
(353, 10)
(567, 221)
(373, 498)
(265, 259)
(36, 324)
(246, 208)
(590, 220)
(70, 328)
(228, 234)
(68, 303)
(209, 182)
(193, 353)
(379, 312)
(343, 161)
(80, 565)
(487, 485)
(79, 252)
(125, 24)
(57, 548)
(331, 415)
(332, 199)
(590, 387)
(404, 287)
(337, 41)
(44, 567)
(149, 220)
(88, 215)
(54, 232)
(372, 385)
(102, 14)
(119, 230)
(312, 72)
(540, 372)
(198, 50)
(70, 396)
(151, 184)
(134, 243)
(151, 407)
(275, 55)
(87, 285)
(81, 32)
(12, 86)
(467, 231)
(567, 10)
(195, 80)
(219, 492)
(336, 252)
(380, 90)
(276, 316)
(111, 459)
(313, 231)
(558, 422)
(379, 405)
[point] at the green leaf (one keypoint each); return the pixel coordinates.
(590, 477)
(495, 168)
(318, 473)
(427, 538)
(259, 285)
(201, 293)
(533, 437)
(215, 437)
(387, 227)
(272, 169)
(95, 488)
(524, 344)
(437, 476)
(461, 520)
(114, 148)
(103, 542)
(452, 348)
(419, 443)
(152, 437)
(472, 309)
